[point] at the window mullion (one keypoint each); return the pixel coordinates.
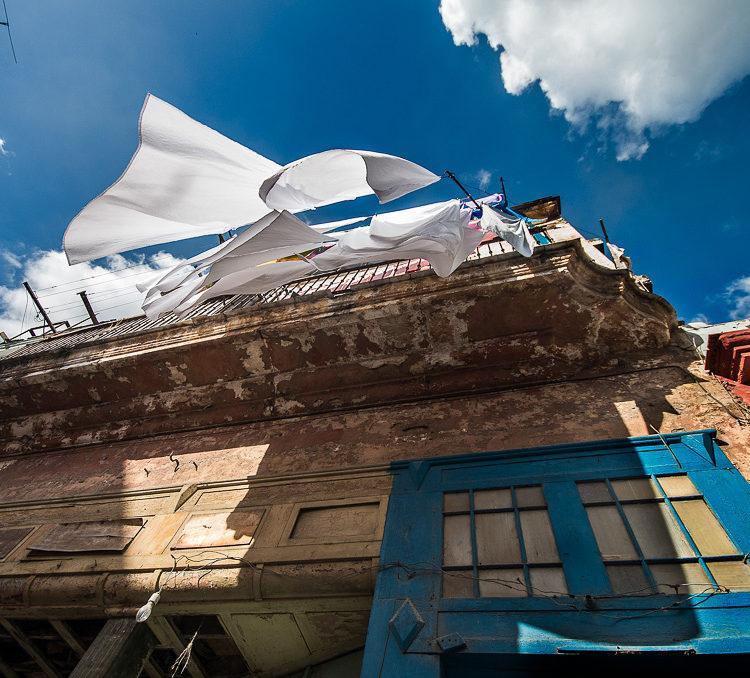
(474, 557)
(576, 543)
(526, 574)
(685, 531)
(631, 534)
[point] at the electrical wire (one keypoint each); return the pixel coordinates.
(10, 37)
(98, 295)
(25, 309)
(114, 270)
(740, 407)
(109, 308)
(481, 190)
(100, 282)
(414, 569)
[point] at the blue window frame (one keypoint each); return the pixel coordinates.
(637, 544)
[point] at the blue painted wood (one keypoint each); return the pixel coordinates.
(728, 495)
(405, 624)
(576, 605)
(596, 447)
(411, 557)
(717, 629)
(582, 563)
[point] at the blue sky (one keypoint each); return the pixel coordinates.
(292, 78)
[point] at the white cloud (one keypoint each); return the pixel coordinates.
(628, 67)
(11, 259)
(3, 150)
(484, 177)
(737, 295)
(110, 287)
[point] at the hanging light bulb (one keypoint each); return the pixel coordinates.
(145, 612)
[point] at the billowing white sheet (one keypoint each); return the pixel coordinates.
(282, 236)
(274, 236)
(438, 233)
(336, 175)
(184, 180)
(510, 228)
(256, 280)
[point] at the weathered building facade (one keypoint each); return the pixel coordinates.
(248, 461)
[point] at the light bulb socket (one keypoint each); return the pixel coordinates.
(145, 612)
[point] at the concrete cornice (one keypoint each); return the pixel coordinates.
(498, 320)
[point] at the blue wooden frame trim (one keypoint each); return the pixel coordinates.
(411, 557)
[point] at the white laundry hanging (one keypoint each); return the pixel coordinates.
(510, 228)
(257, 280)
(184, 180)
(187, 180)
(438, 233)
(342, 174)
(275, 236)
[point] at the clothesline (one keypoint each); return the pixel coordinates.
(186, 179)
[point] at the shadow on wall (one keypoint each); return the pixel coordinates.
(599, 548)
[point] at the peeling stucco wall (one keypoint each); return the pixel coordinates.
(506, 353)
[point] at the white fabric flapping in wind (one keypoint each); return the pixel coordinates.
(249, 264)
(237, 263)
(438, 233)
(509, 227)
(184, 180)
(336, 175)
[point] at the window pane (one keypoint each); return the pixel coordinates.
(709, 536)
(611, 536)
(548, 581)
(492, 499)
(635, 488)
(538, 538)
(677, 486)
(457, 540)
(656, 531)
(456, 501)
(502, 583)
(530, 496)
(735, 575)
(497, 539)
(629, 580)
(458, 584)
(680, 578)
(595, 491)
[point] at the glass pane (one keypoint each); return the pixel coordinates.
(680, 578)
(656, 531)
(497, 539)
(530, 496)
(735, 575)
(595, 491)
(707, 533)
(492, 499)
(458, 584)
(677, 486)
(548, 581)
(629, 580)
(635, 488)
(611, 536)
(456, 501)
(538, 538)
(502, 583)
(457, 540)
